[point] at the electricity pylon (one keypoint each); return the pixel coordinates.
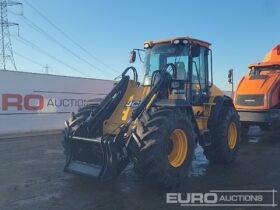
(7, 61)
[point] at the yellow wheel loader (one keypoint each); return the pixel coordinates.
(156, 124)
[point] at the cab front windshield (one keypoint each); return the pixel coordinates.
(264, 69)
(161, 54)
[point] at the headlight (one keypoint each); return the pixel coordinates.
(176, 41)
(146, 45)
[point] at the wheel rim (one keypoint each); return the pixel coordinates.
(232, 135)
(179, 149)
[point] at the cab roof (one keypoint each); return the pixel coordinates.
(197, 41)
(271, 58)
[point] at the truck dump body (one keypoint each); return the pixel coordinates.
(257, 96)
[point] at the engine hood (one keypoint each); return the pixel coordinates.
(257, 84)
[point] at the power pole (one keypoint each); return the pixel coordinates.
(231, 81)
(46, 67)
(7, 61)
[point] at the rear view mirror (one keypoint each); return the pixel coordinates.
(132, 56)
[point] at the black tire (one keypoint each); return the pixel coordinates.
(74, 122)
(219, 151)
(79, 117)
(154, 130)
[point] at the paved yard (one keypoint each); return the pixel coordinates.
(32, 178)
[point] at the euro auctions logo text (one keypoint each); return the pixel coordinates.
(192, 198)
(36, 102)
(224, 198)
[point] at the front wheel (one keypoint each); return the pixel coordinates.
(169, 142)
(225, 137)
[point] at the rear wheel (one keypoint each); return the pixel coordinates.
(225, 137)
(168, 138)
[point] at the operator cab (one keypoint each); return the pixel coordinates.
(262, 70)
(190, 63)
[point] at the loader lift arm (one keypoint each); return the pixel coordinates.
(114, 157)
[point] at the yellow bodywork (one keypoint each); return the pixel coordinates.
(123, 110)
(215, 91)
(202, 120)
(136, 93)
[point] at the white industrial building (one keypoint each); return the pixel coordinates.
(32, 103)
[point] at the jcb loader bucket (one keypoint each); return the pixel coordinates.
(98, 158)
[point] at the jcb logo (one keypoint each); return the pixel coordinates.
(133, 103)
(28, 102)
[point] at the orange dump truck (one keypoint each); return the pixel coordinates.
(257, 97)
